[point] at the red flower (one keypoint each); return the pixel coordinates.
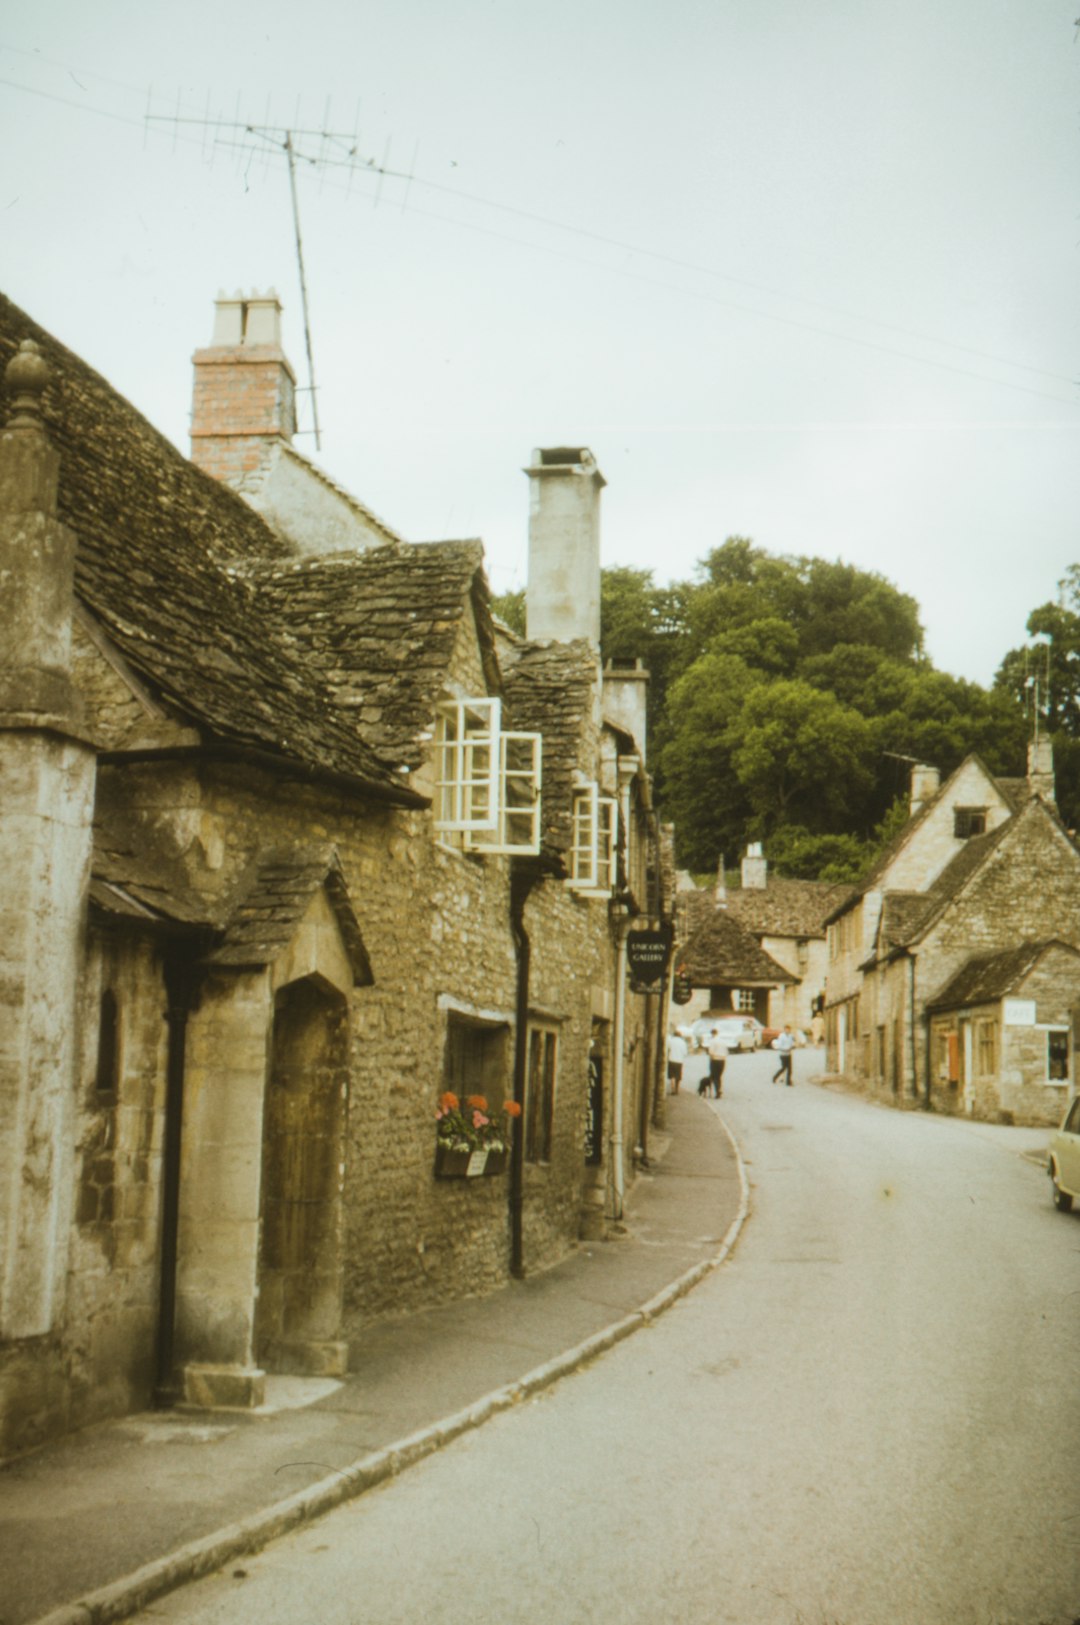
(477, 1102)
(511, 1108)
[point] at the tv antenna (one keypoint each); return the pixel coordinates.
(334, 150)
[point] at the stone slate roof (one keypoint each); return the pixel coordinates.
(989, 977)
(723, 951)
(130, 883)
(158, 546)
(266, 919)
(549, 690)
(786, 907)
(378, 628)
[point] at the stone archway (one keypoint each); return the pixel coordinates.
(298, 1315)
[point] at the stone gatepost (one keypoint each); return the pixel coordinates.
(47, 773)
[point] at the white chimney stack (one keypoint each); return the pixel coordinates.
(755, 868)
(562, 600)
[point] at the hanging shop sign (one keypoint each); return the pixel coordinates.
(647, 959)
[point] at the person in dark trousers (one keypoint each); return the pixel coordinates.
(717, 1050)
(784, 1045)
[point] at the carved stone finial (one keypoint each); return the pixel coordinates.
(26, 376)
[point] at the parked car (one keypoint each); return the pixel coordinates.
(769, 1035)
(737, 1032)
(1064, 1164)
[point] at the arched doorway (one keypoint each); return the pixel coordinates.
(298, 1316)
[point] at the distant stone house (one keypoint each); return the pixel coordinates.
(787, 917)
(1003, 1033)
(291, 840)
(730, 971)
(983, 867)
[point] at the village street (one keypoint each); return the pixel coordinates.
(866, 1415)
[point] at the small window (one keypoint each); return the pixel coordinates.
(467, 765)
(985, 1048)
(744, 999)
(969, 821)
(594, 842)
(1057, 1054)
(540, 1095)
(107, 1071)
(476, 1060)
(517, 825)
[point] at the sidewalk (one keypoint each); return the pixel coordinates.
(94, 1526)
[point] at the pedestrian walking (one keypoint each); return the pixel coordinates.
(717, 1053)
(784, 1045)
(676, 1056)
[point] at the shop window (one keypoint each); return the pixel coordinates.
(540, 1094)
(1057, 1054)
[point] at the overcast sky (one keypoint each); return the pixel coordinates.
(800, 272)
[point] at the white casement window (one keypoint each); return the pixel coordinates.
(517, 825)
(594, 842)
(487, 783)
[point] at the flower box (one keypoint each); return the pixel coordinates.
(497, 1161)
(451, 1164)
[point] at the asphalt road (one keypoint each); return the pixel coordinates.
(870, 1415)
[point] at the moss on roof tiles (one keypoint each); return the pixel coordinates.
(158, 542)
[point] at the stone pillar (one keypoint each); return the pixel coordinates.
(47, 772)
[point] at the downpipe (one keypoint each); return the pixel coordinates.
(522, 882)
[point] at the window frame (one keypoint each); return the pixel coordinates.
(541, 1073)
(528, 780)
(969, 822)
(594, 841)
(1062, 1034)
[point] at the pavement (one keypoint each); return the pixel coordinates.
(95, 1526)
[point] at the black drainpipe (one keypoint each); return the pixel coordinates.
(522, 881)
(181, 993)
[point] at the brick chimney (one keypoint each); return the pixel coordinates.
(755, 868)
(562, 600)
(245, 391)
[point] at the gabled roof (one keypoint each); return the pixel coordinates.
(786, 907)
(724, 951)
(549, 690)
(378, 629)
(986, 978)
(268, 915)
(276, 450)
(134, 881)
(158, 543)
(867, 881)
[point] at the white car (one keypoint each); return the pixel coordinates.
(736, 1032)
(1064, 1164)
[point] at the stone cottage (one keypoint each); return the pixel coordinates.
(292, 840)
(957, 913)
(787, 917)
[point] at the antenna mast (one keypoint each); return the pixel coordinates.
(335, 151)
(303, 288)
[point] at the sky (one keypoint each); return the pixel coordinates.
(803, 273)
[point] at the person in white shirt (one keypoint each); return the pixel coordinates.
(676, 1055)
(784, 1044)
(717, 1052)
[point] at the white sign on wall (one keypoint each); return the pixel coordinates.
(1019, 1012)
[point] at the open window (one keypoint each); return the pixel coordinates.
(487, 781)
(593, 845)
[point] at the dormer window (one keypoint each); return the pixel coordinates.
(593, 847)
(487, 781)
(969, 821)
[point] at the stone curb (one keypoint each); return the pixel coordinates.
(124, 1597)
